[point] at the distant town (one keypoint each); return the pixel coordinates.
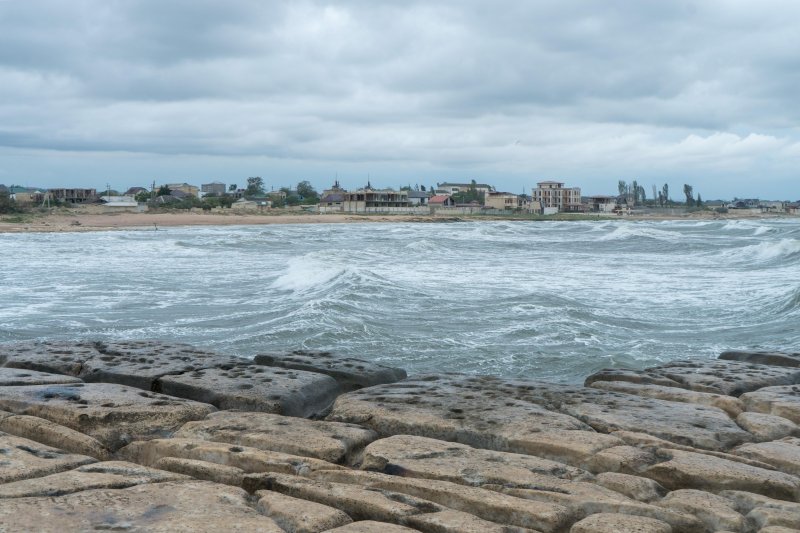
(546, 198)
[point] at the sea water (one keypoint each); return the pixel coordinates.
(550, 300)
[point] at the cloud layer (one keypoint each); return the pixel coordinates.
(702, 92)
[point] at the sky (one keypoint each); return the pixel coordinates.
(120, 93)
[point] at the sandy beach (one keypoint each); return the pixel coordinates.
(91, 219)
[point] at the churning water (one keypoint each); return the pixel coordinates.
(553, 300)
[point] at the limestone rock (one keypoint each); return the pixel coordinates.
(113, 414)
(631, 460)
(783, 401)
(22, 459)
(422, 457)
(716, 512)
(485, 504)
(52, 434)
(687, 470)
(372, 526)
(450, 521)
(763, 358)
(763, 512)
(135, 363)
(477, 411)
(783, 454)
(107, 475)
(10, 377)
(634, 487)
(227, 475)
(719, 376)
(299, 516)
(256, 388)
(767, 427)
(357, 502)
(159, 507)
(242, 457)
(350, 373)
(334, 442)
(618, 523)
(732, 406)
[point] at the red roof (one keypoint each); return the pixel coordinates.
(438, 199)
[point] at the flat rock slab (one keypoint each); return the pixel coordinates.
(135, 363)
(485, 504)
(171, 506)
(616, 523)
(334, 442)
(763, 358)
(293, 514)
(716, 512)
(732, 406)
(113, 414)
(10, 377)
(241, 457)
(372, 526)
(732, 378)
(52, 434)
(22, 459)
(480, 412)
(783, 454)
(349, 372)
(781, 401)
(256, 388)
(107, 475)
(688, 470)
(491, 413)
(422, 457)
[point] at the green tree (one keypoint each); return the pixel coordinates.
(688, 192)
(163, 191)
(142, 196)
(665, 193)
(308, 193)
(255, 186)
(232, 187)
(7, 204)
(699, 201)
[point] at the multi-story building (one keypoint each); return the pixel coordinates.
(454, 188)
(369, 200)
(502, 200)
(73, 196)
(215, 187)
(552, 195)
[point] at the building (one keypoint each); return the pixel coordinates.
(417, 198)
(441, 200)
(125, 204)
(552, 195)
(502, 201)
(215, 187)
(453, 188)
(73, 196)
(369, 200)
(191, 190)
(332, 202)
(602, 204)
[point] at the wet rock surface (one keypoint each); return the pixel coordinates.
(350, 373)
(156, 436)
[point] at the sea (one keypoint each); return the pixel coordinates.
(536, 299)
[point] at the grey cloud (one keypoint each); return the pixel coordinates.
(622, 88)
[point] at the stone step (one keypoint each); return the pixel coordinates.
(334, 442)
(114, 415)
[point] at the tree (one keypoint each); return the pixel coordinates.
(7, 204)
(687, 190)
(308, 193)
(665, 193)
(655, 194)
(143, 196)
(699, 201)
(622, 187)
(163, 191)
(232, 187)
(255, 186)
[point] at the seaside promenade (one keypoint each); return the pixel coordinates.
(158, 436)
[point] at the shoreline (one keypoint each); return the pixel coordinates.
(84, 220)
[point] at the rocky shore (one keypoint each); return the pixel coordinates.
(154, 436)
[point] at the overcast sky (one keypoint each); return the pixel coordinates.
(130, 91)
